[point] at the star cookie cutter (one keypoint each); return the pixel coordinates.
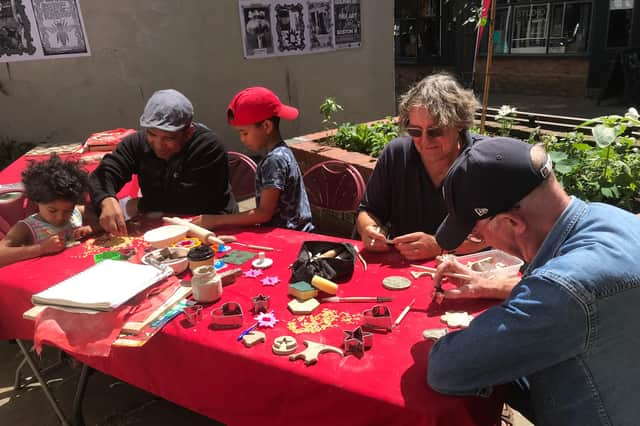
(229, 315)
(377, 318)
(357, 341)
(260, 303)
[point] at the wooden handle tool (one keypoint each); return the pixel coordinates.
(206, 236)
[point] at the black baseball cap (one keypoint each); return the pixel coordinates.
(486, 179)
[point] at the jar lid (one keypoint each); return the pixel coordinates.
(200, 253)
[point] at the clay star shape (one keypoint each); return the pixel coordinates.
(252, 273)
(357, 341)
(266, 319)
(270, 280)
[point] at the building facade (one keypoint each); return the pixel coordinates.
(560, 47)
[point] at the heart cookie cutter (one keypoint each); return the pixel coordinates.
(377, 318)
(229, 315)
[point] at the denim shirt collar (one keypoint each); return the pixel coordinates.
(558, 233)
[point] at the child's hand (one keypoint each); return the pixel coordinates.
(53, 244)
(81, 232)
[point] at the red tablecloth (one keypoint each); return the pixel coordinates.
(209, 372)
(12, 173)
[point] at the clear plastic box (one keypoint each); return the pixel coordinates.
(496, 263)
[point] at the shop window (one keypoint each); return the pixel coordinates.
(417, 29)
(525, 27)
(620, 15)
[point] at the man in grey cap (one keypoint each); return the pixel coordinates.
(563, 341)
(181, 166)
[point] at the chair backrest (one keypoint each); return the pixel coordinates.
(4, 227)
(242, 175)
(14, 206)
(334, 185)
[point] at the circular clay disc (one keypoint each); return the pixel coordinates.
(396, 283)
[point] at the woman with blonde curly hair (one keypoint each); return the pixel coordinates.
(404, 193)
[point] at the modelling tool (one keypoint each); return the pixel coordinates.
(376, 299)
(432, 272)
(195, 230)
(255, 246)
(403, 314)
(324, 284)
(246, 331)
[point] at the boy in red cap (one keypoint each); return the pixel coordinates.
(281, 199)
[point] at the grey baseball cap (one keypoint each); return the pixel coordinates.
(167, 110)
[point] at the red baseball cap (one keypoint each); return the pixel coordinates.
(256, 104)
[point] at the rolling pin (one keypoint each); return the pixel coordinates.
(206, 236)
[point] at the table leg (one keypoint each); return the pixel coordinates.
(43, 383)
(78, 418)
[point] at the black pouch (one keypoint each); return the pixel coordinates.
(338, 268)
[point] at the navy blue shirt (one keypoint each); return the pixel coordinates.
(400, 193)
(279, 169)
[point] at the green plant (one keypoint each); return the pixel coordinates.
(607, 171)
(505, 117)
(368, 139)
(328, 108)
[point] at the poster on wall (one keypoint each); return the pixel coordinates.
(41, 29)
(347, 22)
(293, 27)
(320, 25)
(257, 31)
(290, 28)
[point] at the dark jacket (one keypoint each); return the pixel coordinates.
(194, 181)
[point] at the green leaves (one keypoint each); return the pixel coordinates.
(367, 139)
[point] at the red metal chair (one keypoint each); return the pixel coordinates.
(242, 175)
(334, 185)
(14, 206)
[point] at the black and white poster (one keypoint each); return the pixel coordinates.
(347, 22)
(294, 27)
(60, 27)
(290, 28)
(320, 25)
(257, 30)
(40, 29)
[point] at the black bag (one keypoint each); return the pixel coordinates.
(336, 268)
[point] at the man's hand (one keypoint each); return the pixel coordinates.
(81, 232)
(53, 244)
(417, 245)
(111, 218)
(373, 239)
(477, 287)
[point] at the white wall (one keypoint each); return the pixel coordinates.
(194, 46)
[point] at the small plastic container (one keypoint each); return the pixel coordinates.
(200, 256)
(496, 263)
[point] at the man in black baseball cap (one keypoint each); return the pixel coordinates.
(485, 181)
(558, 340)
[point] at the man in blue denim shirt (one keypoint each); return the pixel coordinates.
(562, 331)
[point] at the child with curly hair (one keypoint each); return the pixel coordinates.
(57, 187)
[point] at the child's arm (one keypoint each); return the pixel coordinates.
(18, 245)
(263, 213)
(89, 223)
